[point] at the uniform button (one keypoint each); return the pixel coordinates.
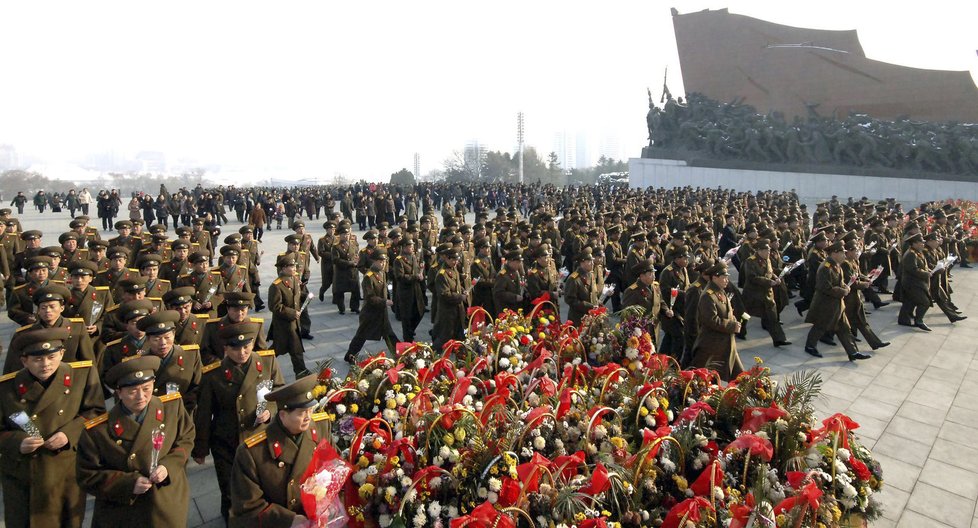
(34, 417)
(281, 464)
(291, 502)
(132, 456)
(292, 482)
(60, 412)
(118, 442)
(240, 396)
(240, 411)
(67, 391)
(23, 400)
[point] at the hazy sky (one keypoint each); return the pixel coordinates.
(357, 87)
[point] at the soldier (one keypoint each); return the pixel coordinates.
(693, 294)
(715, 346)
(116, 452)
(118, 258)
(914, 284)
(409, 284)
(645, 292)
(674, 277)
(484, 276)
(31, 248)
(178, 264)
(180, 366)
(227, 410)
(21, 308)
(125, 239)
(637, 255)
(855, 313)
(284, 302)
(879, 255)
(509, 288)
(345, 275)
(148, 265)
(50, 301)
(233, 275)
(189, 329)
(57, 273)
(202, 238)
(294, 247)
(249, 244)
(938, 280)
(616, 260)
(827, 313)
(207, 285)
(542, 278)
(69, 245)
(132, 343)
(87, 302)
(97, 250)
(759, 283)
(39, 485)
(324, 247)
(816, 255)
(268, 466)
(449, 301)
(131, 289)
(237, 305)
(375, 323)
(578, 292)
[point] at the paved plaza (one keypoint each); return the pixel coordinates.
(916, 401)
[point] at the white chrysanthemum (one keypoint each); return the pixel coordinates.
(503, 363)
(507, 350)
(637, 332)
(631, 353)
(478, 406)
(406, 481)
(444, 451)
(376, 373)
(419, 364)
(360, 477)
(434, 509)
(495, 484)
(600, 432)
(467, 400)
(438, 461)
(452, 512)
(419, 519)
(539, 443)
(472, 391)
(842, 453)
(482, 492)
(363, 385)
(434, 483)
(340, 408)
(492, 497)
(385, 520)
(400, 399)
(762, 434)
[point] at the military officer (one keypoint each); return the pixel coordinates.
(759, 283)
(125, 238)
(268, 466)
(827, 313)
(133, 483)
(189, 330)
(233, 275)
(674, 277)
(324, 246)
(237, 306)
(131, 289)
(118, 257)
(509, 289)
(207, 285)
(50, 301)
(86, 301)
(148, 265)
(227, 410)
(375, 323)
(541, 277)
(180, 366)
(449, 298)
(644, 292)
(21, 307)
(97, 250)
(202, 237)
(345, 256)
(132, 342)
(177, 265)
(58, 271)
(484, 274)
(284, 302)
(855, 313)
(253, 248)
(409, 284)
(578, 292)
(914, 284)
(715, 345)
(56, 397)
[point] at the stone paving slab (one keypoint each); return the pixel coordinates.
(916, 400)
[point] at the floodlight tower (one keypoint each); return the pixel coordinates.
(519, 141)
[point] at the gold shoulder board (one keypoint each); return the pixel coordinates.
(170, 397)
(210, 367)
(254, 440)
(80, 364)
(320, 416)
(8, 376)
(266, 353)
(190, 347)
(97, 420)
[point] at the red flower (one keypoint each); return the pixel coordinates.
(756, 417)
(756, 445)
(859, 468)
(599, 481)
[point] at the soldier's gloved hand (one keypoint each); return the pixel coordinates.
(30, 444)
(56, 441)
(141, 486)
(159, 475)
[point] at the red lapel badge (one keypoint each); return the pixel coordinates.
(117, 428)
(258, 366)
(93, 296)
(277, 449)
(287, 285)
(179, 361)
(315, 435)
(227, 374)
(67, 380)
(159, 415)
(21, 389)
(193, 325)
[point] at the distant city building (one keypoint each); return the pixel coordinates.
(8, 157)
(473, 156)
(583, 153)
(151, 162)
(565, 146)
(610, 147)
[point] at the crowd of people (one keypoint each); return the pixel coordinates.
(161, 315)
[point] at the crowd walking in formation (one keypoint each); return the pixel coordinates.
(142, 343)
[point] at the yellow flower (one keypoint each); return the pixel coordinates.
(363, 461)
(493, 470)
(664, 403)
(643, 411)
(354, 408)
(391, 403)
(397, 387)
(618, 442)
(394, 460)
(605, 513)
(366, 490)
(681, 482)
(460, 434)
(411, 396)
(758, 360)
(543, 335)
(448, 440)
